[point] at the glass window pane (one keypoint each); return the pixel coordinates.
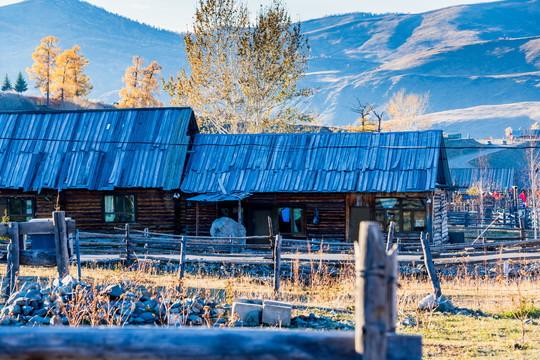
(407, 221)
(129, 203)
(28, 204)
(380, 216)
(297, 217)
(284, 220)
(119, 204)
(388, 203)
(420, 221)
(414, 203)
(15, 207)
(109, 204)
(393, 215)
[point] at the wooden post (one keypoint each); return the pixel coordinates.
(9, 272)
(60, 242)
(78, 254)
(271, 234)
(129, 249)
(13, 231)
(277, 265)
(522, 228)
(392, 270)
(197, 218)
(390, 235)
(182, 265)
(371, 289)
(239, 217)
(428, 261)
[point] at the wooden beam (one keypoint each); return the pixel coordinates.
(428, 261)
(277, 265)
(43, 258)
(13, 231)
(371, 290)
(61, 243)
(134, 343)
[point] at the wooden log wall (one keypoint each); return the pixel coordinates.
(207, 215)
(156, 209)
(440, 217)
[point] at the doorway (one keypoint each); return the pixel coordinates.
(356, 215)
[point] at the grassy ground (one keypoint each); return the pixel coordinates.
(508, 328)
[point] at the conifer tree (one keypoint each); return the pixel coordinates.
(20, 84)
(141, 85)
(7, 84)
(68, 78)
(44, 62)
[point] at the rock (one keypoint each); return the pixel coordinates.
(148, 317)
(28, 286)
(26, 310)
(14, 309)
(56, 321)
(176, 319)
(20, 301)
(38, 320)
(41, 312)
(14, 296)
(195, 320)
(6, 320)
(427, 302)
(114, 291)
(219, 312)
(441, 303)
(226, 227)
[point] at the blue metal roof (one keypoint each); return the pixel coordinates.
(494, 179)
(337, 162)
(94, 149)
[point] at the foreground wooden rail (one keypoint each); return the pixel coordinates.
(189, 343)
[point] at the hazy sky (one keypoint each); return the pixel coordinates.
(177, 14)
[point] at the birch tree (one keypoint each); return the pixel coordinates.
(242, 78)
(405, 112)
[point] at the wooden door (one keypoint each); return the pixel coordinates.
(356, 215)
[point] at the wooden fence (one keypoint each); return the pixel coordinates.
(374, 337)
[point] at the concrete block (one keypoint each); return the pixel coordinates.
(277, 303)
(275, 315)
(248, 301)
(245, 310)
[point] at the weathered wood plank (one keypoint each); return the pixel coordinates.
(38, 258)
(189, 343)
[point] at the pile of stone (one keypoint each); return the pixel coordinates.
(312, 321)
(68, 302)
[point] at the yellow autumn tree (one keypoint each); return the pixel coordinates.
(68, 77)
(142, 84)
(406, 112)
(44, 62)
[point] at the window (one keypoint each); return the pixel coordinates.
(228, 209)
(408, 214)
(119, 208)
(17, 209)
(290, 220)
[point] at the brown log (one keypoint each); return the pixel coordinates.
(428, 261)
(371, 288)
(391, 292)
(277, 265)
(182, 265)
(13, 231)
(106, 343)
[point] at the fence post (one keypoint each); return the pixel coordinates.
(428, 261)
(371, 293)
(129, 248)
(522, 228)
(78, 254)
(271, 235)
(182, 264)
(277, 265)
(60, 242)
(391, 292)
(390, 235)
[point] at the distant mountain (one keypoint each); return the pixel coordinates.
(474, 60)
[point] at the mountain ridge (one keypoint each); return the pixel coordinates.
(465, 56)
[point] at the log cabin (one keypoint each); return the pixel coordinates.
(319, 185)
(104, 168)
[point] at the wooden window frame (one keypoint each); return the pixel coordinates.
(21, 198)
(291, 207)
(104, 213)
(401, 209)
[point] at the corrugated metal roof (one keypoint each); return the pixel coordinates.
(495, 179)
(338, 162)
(219, 197)
(94, 149)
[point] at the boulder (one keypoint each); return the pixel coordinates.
(226, 227)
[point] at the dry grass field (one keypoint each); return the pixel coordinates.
(503, 322)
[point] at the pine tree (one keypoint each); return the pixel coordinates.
(44, 63)
(242, 77)
(141, 84)
(7, 84)
(20, 84)
(68, 78)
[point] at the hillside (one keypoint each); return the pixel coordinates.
(474, 60)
